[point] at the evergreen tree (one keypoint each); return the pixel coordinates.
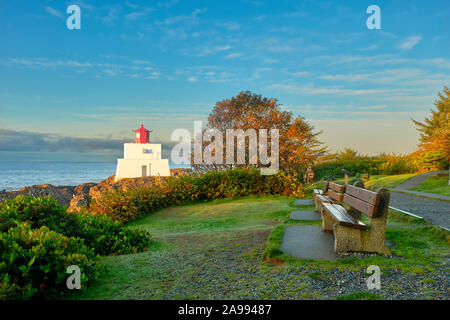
(434, 147)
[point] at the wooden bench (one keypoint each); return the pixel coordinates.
(330, 193)
(350, 234)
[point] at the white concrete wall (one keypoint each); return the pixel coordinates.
(135, 151)
(132, 168)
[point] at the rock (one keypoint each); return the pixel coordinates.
(81, 196)
(62, 194)
(86, 193)
(84, 188)
(79, 202)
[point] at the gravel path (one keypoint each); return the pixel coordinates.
(435, 211)
(415, 181)
(427, 195)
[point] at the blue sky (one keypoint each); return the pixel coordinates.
(166, 63)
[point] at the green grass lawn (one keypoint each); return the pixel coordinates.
(374, 182)
(216, 250)
(387, 181)
(434, 185)
(217, 215)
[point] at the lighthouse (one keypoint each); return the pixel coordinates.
(141, 158)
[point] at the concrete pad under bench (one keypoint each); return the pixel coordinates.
(305, 215)
(308, 242)
(304, 202)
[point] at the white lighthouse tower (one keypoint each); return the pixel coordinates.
(141, 158)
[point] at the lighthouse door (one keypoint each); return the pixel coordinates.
(144, 171)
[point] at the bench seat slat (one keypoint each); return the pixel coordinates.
(317, 192)
(360, 205)
(371, 197)
(324, 199)
(337, 213)
(341, 215)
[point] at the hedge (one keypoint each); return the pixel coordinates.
(125, 206)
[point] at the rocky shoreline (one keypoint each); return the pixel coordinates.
(79, 197)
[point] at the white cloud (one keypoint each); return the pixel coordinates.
(230, 25)
(234, 55)
(111, 15)
(189, 19)
(409, 42)
(207, 50)
(109, 72)
(384, 76)
(333, 90)
(260, 18)
(222, 48)
(298, 73)
(369, 48)
(141, 62)
(53, 12)
(436, 62)
(138, 14)
(44, 63)
(153, 75)
(295, 14)
(135, 68)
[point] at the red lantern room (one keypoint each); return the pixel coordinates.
(141, 135)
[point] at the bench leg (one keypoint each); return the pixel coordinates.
(374, 237)
(317, 203)
(347, 239)
(350, 239)
(327, 221)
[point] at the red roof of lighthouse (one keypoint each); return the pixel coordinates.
(141, 135)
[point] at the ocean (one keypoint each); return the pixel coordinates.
(17, 174)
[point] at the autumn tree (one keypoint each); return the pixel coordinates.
(434, 146)
(298, 143)
(348, 154)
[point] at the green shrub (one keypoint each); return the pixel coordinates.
(107, 236)
(99, 232)
(381, 165)
(33, 262)
(431, 160)
(393, 165)
(128, 205)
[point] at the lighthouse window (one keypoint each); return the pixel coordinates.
(138, 135)
(147, 151)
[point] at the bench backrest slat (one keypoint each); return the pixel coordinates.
(360, 205)
(368, 196)
(339, 188)
(335, 195)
